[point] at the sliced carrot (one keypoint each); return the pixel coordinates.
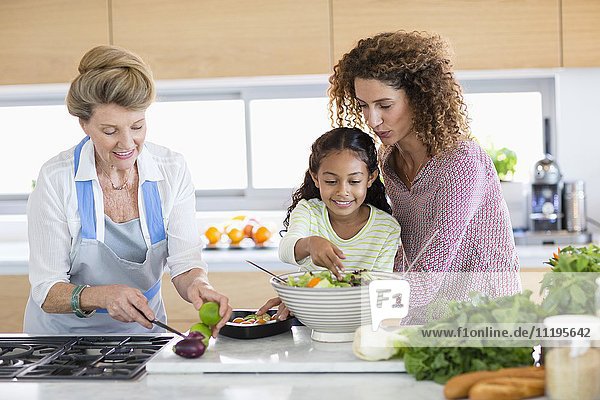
(556, 254)
(313, 282)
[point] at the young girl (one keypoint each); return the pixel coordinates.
(339, 218)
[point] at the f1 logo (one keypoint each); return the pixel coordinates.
(388, 299)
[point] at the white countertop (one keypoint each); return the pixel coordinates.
(183, 381)
(194, 384)
(291, 351)
(307, 386)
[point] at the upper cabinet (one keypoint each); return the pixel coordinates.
(581, 33)
(490, 34)
(215, 38)
(43, 41)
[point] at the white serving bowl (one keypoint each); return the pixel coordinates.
(333, 314)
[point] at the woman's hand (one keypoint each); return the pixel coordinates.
(325, 254)
(199, 292)
(282, 311)
(127, 304)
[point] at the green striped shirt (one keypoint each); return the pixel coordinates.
(373, 247)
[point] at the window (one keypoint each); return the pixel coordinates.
(508, 111)
(511, 120)
(282, 132)
(31, 136)
(247, 141)
(211, 136)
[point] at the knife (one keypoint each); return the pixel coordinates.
(167, 327)
(163, 325)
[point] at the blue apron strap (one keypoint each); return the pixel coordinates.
(148, 294)
(85, 199)
(154, 216)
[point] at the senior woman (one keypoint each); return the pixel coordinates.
(108, 215)
(443, 188)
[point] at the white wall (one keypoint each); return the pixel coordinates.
(578, 131)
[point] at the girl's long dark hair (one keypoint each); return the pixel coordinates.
(339, 139)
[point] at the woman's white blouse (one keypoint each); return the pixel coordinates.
(54, 224)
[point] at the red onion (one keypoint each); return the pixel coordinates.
(191, 347)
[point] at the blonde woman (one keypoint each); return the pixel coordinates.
(108, 215)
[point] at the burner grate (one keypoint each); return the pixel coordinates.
(84, 357)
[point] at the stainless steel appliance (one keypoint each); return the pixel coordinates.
(81, 357)
(548, 215)
(574, 206)
(546, 190)
(546, 196)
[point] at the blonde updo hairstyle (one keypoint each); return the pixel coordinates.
(417, 62)
(110, 75)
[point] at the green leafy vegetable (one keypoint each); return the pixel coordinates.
(327, 279)
(441, 363)
(569, 288)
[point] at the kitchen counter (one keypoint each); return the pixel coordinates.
(307, 386)
(185, 381)
(289, 352)
(236, 386)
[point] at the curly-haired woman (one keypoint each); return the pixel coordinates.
(444, 190)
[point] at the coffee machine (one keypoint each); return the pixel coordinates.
(550, 221)
(546, 191)
(546, 196)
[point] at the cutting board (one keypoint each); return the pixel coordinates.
(292, 351)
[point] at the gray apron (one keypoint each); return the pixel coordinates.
(93, 263)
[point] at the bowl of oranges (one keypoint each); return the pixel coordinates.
(238, 232)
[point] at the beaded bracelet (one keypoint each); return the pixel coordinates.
(75, 302)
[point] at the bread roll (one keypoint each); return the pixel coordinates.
(458, 386)
(507, 388)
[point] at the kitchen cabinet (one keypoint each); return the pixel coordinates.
(14, 292)
(43, 41)
(213, 38)
(581, 47)
(490, 34)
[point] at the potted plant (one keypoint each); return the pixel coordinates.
(505, 162)
(515, 193)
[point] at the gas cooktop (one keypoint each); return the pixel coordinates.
(77, 357)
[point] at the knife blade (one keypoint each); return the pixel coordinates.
(167, 327)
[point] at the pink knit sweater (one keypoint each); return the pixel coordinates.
(457, 199)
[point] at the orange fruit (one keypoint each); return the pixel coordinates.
(235, 235)
(213, 235)
(261, 235)
(248, 230)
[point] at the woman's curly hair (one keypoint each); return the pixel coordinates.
(336, 140)
(417, 62)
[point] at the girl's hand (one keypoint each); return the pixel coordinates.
(199, 292)
(127, 304)
(282, 311)
(325, 254)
